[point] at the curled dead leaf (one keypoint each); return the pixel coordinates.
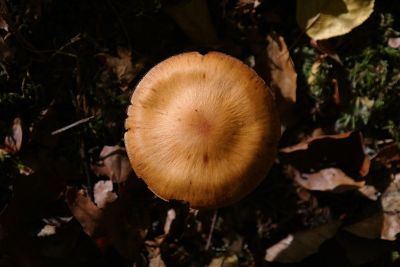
(247, 6)
(278, 70)
(47, 230)
(367, 228)
(391, 226)
(103, 193)
(273, 252)
(298, 246)
(343, 151)
(6, 53)
(391, 207)
(171, 216)
(84, 210)
(326, 180)
(230, 260)
(3, 24)
(323, 19)
(122, 66)
(389, 156)
(157, 261)
(369, 191)
(114, 164)
(13, 141)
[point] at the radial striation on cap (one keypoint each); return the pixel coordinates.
(202, 129)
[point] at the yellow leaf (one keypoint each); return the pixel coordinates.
(323, 19)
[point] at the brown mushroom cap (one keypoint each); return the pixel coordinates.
(202, 128)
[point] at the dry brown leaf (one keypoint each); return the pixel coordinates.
(391, 197)
(171, 216)
(369, 191)
(247, 6)
(13, 141)
(391, 226)
(3, 24)
(4, 16)
(230, 260)
(311, 79)
(193, 18)
(391, 207)
(389, 156)
(343, 151)
(323, 19)
(84, 210)
(119, 224)
(298, 246)
(6, 53)
(368, 228)
(114, 164)
(278, 70)
(157, 261)
(326, 180)
(122, 66)
(103, 193)
(273, 252)
(47, 230)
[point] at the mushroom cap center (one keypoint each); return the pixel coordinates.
(196, 124)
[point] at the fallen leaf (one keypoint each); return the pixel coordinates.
(114, 164)
(157, 262)
(369, 191)
(327, 49)
(230, 260)
(3, 24)
(360, 251)
(394, 42)
(326, 180)
(367, 228)
(4, 16)
(103, 193)
(278, 70)
(298, 246)
(273, 252)
(391, 197)
(13, 141)
(247, 6)
(57, 221)
(6, 53)
(315, 67)
(122, 66)
(390, 202)
(47, 230)
(391, 226)
(84, 210)
(193, 18)
(122, 223)
(323, 19)
(171, 216)
(389, 156)
(343, 151)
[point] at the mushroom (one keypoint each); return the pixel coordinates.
(202, 128)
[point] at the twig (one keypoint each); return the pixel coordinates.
(72, 125)
(73, 40)
(210, 234)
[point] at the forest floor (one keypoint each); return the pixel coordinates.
(68, 196)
